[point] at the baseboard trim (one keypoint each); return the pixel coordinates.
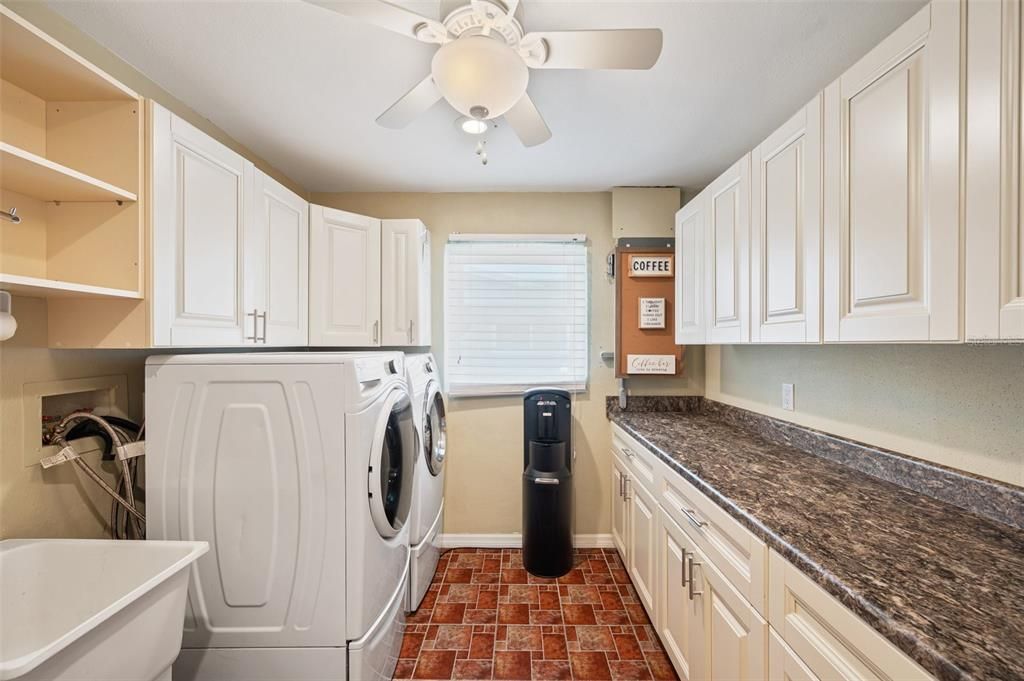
(515, 540)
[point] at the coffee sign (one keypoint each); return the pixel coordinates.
(651, 364)
(650, 266)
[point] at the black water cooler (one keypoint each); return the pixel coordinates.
(547, 482)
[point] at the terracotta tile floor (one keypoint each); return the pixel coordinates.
(485, 617)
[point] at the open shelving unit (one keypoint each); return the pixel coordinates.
(34, 287)
(26, 173)
(72, 163)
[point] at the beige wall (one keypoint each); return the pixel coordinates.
(485, 433)
(957, 405)
(61, 501)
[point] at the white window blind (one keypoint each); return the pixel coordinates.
(516, 313)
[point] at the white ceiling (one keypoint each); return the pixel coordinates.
(301, 86)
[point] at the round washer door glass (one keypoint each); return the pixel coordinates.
(435, 435)
(391, 467)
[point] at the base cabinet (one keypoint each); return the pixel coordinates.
(620, 507)
(783, 664)
(715, 625)
(642, 539)
(734, 638)
(679, 614)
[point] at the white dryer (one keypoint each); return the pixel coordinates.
(298, 469)
(428, 496)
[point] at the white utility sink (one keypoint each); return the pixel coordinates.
(92, 610)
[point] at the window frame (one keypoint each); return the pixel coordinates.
(507, 389)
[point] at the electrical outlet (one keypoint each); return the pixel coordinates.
(787, 396)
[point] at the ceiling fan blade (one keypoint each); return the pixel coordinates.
(391, 17)
(527, 122)
(623, 48)
(412, 104)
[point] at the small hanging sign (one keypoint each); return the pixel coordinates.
(651, 364)
(650, 266)
(652, 313)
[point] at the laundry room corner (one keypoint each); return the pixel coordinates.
(485, 432)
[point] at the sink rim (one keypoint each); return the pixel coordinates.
(25, 663)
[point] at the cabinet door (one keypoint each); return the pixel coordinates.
(727, 264)
(691, 228)
(642, 539)
(785, 261)
(679, 616)
(620, 509)
(994, 285)
(783, 663)
(201, 208)
(405, 283)
(734, 637)
(277, 265)
(892, 251)
(344, 279)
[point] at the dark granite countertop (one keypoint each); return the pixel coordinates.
(943, 584)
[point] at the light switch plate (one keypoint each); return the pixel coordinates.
(787, 396)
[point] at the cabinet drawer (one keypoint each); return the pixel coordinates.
(830, 640)
(642, 463)
(734, 550)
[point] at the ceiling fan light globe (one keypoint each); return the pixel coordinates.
(477, 71)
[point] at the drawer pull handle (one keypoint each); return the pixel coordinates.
(545, 481)
(628, 452)
(693, 579)
(694, 520)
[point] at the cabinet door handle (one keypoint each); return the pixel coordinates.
(625, 487)
(694, 520)
(693, 578)
(263, 338)
(410, 330)
(683, 566)
(375, 325)
(255, 336)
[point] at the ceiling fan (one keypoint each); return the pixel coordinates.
(482, 66)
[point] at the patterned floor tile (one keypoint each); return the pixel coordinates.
(486, 617)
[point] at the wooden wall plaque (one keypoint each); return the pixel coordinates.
(645, 304)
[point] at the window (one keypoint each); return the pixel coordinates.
(516, 313)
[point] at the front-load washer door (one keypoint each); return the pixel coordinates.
(392, 463)
(435, 432)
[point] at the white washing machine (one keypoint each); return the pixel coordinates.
(428, 496)
(298, 469)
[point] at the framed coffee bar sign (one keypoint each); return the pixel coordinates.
(645, 342)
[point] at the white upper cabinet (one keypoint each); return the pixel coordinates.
(405, 283)
(691, 328)
(727, 260)
(201, 205)
(344, 279)
(785, 262)
(891, 225)
(994, 305)
(277, 264)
